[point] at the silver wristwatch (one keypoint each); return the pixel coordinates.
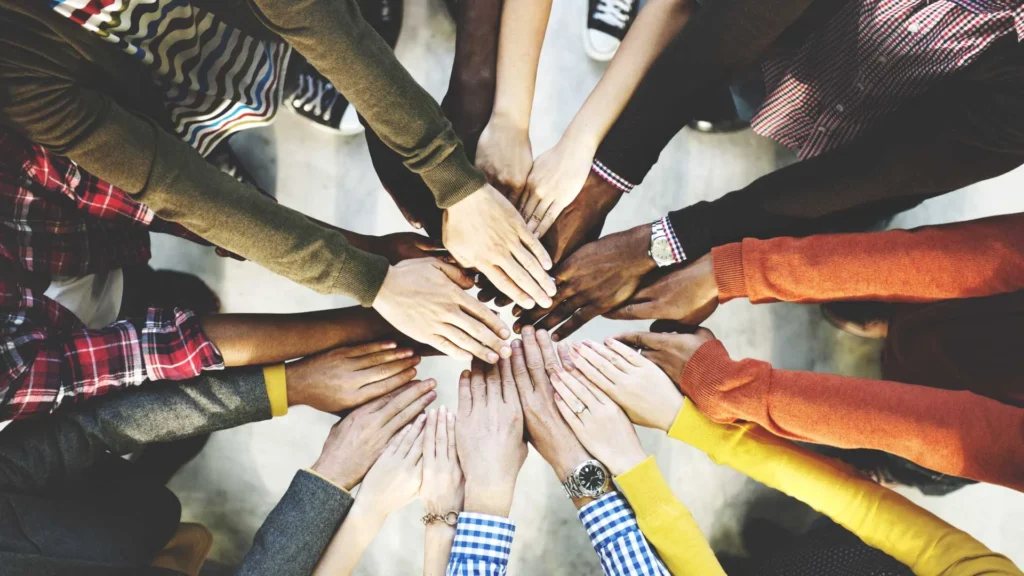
(661, 248)
(590, 480)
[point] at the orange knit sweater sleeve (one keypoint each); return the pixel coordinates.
(955, 432)
(963, 260)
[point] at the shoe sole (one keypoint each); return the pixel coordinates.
(593, 53)
(328, 129)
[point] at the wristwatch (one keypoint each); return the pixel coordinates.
(590, 479)
(661, 248)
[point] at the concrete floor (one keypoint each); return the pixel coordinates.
(242, 473)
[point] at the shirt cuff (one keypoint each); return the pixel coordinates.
(678, 254)
(277, 389)
(483, 538)
(610, 177)
(607, 518)
(728, 263)
(175, 347)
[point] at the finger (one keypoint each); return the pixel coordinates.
(492, 376)
(453, 454)
(477, 310)
(613, 359)
(534, 245)
(430, 436)
(529, 261)
(536, 215)
(567, 414)
(448, 348)
(628, 354)
(662, 360)
(536, 363)
(409, 413)
(553, 315)
(509, 288)
(428, 244)
(478, 384)
(396, 440)
(562, 312)
(524, 383)
(461, 278)
(368, 348)
(436, 444)
(456, 336)
(465, 393)
(518, 274)
(528, 204)
(549, 219)
(644, 340)
(598, 361)
(634, 311)
(415, 432)
(415, 453)
(574, 323)
(566, 291)
(409, 397)
(547, 351)
(583, 368)
(377, 389)
(385, 371)
(581, 389)
(369, 359)
(501, 300)
(508, 383)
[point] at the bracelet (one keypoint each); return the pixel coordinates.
(450, 518)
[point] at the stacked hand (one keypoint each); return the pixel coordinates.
(505, 156)
(557, 177)
(394, 479)
(443, 489)
(688, 295)
(346, 377)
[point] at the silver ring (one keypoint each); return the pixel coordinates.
(583, 408)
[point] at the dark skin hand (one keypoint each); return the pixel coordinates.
(580, 223)
(597, 278)
(688, 295)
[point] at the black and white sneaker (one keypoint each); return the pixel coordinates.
(608, 21)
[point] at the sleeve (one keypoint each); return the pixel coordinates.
(47, 455)
(912, 157)
(482, 546)
(297, 531)
(335, 38)
(617, 539)
(167, 175)
(666, 523)
(45, 365)
(963, 260)
(880, 517)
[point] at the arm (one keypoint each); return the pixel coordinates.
(665, 521)
(618, 540)
(442, 490)
(962, 260)
(954, 432)
(878, 516)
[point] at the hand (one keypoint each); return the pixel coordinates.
(637, 385)
(582, 220)
(669, 351)
(443, 489)
(598, 422)
(557, 177)
(489, 437)
(504, 154)
(533, 358)
(342, 378)
(407, 246)
(394, 479)
(425, 300)
(356, 442)
(688, 295)
(597, 278)
(484, 232)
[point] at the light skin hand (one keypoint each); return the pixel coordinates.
(599, 277)
(599, 423)
(356, 442)
(670, 351)
(394, 479)
(637, 385)
(489, 437)
(483, 231)
(346, 377)
(426, 300)
(557, 177)
(688, 295)
(582, 220)
(443, 488)
(505, 156)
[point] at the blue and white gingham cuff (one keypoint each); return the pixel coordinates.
(607, 518)
(673, 241)
(611, 177)
(483, 537)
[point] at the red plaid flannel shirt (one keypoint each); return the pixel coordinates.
(56, 219)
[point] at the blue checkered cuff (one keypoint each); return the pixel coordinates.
(673, 241)
(611, 177)
(482, 545)
(615, 535)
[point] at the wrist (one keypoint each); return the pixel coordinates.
(511, 118)
(625, 461)
(336, 473)
(565, 461)
(491, 498)
(638, 250)
(368, 511)
(580, 140)
(296, 375)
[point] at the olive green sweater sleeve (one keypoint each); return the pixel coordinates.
(335, 38)
(163, 172)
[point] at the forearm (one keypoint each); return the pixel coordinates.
(350, 542)
(249, 339)
(470, 97)
(657, 24)
(880, 517)
(523, 24)
(437, 548)
(962, 260)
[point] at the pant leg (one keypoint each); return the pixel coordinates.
(971, 344)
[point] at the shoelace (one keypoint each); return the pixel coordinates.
(613, 12)
(315, 95)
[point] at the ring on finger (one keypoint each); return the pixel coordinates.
(580, 410)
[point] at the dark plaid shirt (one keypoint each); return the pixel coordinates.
(58, 220)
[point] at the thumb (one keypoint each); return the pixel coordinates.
(455, 274)
(632, 310)
(428, 244)
(642, 340)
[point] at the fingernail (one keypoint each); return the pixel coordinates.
(417, 225)
(527, 330)
(608, 341)
(506, 351)
(465, 374)
(451, 417)
(529, 304)
(405, 353)
(573, 353)
(555, 376)
(431, 383)
(390, 345)
(517, 344)
(431, 395)
(505, 334)
(421, 418)
(492, 357)
(517, 328)
(556, 338)
(558, 397)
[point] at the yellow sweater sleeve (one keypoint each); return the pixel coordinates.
(880, 517)
(666, 523)
(277, 389)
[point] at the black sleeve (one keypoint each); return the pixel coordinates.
(723, 39)
(969, 129)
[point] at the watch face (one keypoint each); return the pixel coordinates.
(591, 478)
(661, 251)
